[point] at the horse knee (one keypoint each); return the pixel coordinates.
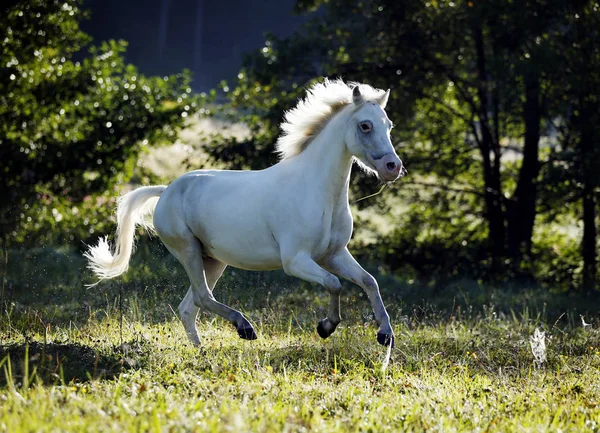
(332, 284)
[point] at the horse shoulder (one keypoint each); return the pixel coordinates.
(341, 226)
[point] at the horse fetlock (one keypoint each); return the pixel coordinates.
(189, 324)
(188, 318)
(192, 335)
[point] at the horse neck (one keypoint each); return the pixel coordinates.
(326, 160)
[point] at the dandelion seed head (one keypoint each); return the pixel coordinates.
(538, 347)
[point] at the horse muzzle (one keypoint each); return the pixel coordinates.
(389, 167)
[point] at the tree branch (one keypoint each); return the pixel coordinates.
(442, 187)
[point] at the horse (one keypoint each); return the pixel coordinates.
(293, 215)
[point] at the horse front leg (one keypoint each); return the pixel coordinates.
(327, 325)
(346, 266)
(302, 265)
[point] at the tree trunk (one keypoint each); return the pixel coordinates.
(588, 243)
(522, 206)
(493, 206)
(589, 163)
(491, 166)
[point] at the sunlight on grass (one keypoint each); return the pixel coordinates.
(144, 376)
(115, 358)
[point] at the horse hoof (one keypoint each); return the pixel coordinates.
(385, 339)
(325, 328)
(247, 333)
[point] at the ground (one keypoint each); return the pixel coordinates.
(77, 359)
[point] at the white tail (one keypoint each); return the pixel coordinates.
(132, 209)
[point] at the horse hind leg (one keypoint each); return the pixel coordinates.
(188, 250)
(188, 311)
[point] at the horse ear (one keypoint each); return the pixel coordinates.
(357, 97)
(383, 100)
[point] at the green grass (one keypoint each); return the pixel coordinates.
(76, 359)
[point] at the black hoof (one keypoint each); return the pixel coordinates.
(247, 333)
(323, 330)
(385, 339)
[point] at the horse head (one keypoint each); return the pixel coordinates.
(368, 136)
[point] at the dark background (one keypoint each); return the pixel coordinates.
(495, 107)
(207, 37)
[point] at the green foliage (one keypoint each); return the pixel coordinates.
(260, 106)
(72, 120)
(485, 121)
(54, 219)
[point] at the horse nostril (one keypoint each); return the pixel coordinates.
(391, 166)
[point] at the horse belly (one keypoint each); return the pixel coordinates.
(249, 252)
(240, 239)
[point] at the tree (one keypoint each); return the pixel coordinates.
(576, 105)
(71, 124)
(474, 90)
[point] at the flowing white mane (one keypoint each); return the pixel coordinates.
(323, 100)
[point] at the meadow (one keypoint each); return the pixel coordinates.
(486, 253)
(115, 358)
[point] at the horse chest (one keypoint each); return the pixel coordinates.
(334, 232)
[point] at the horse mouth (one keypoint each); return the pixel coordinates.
(381, 167)
(387, 177)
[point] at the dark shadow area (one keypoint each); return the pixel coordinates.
(47, 287)
(56, 364)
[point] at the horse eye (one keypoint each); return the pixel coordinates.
(365, 127)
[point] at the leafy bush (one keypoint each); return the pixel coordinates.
(71, 129)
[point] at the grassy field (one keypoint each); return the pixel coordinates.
(115, 357)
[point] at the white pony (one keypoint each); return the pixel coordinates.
(294, 215)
